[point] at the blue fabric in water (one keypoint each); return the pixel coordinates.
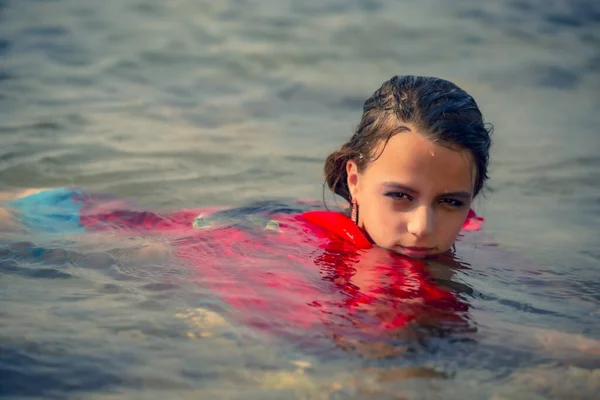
(53, 211)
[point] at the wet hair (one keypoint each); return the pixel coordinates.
(437, 108)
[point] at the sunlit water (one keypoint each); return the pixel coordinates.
(192, 103)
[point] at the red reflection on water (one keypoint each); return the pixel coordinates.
(301, 276)
(305, 283)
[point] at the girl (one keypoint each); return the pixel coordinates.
(410, 172)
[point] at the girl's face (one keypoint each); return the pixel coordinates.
(415, 197)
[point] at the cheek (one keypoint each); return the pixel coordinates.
(449, 227)
(382, 222)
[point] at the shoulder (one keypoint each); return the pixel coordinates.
(336, 225)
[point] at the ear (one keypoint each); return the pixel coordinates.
(352, 172)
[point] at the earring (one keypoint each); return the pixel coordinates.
(354, 211)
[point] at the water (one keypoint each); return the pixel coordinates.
(187, 103)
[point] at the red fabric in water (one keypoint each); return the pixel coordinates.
(315, 269)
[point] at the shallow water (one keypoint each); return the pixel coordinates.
(188, 103)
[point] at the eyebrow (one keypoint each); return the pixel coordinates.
(409, 190)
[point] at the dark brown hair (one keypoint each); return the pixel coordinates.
(436, 107)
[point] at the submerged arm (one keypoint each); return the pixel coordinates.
(53, 212)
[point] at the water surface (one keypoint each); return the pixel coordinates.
(187, 103)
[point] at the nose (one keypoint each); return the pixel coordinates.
(420, 222)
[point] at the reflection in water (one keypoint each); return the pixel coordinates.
(292, 285)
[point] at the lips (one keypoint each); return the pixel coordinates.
(416, 252)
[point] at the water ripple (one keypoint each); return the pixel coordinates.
(194, 102)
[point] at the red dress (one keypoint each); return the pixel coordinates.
(296, 274)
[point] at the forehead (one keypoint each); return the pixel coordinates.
(414, 160)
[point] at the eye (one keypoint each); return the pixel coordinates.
(453, 203)
(399, 195)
